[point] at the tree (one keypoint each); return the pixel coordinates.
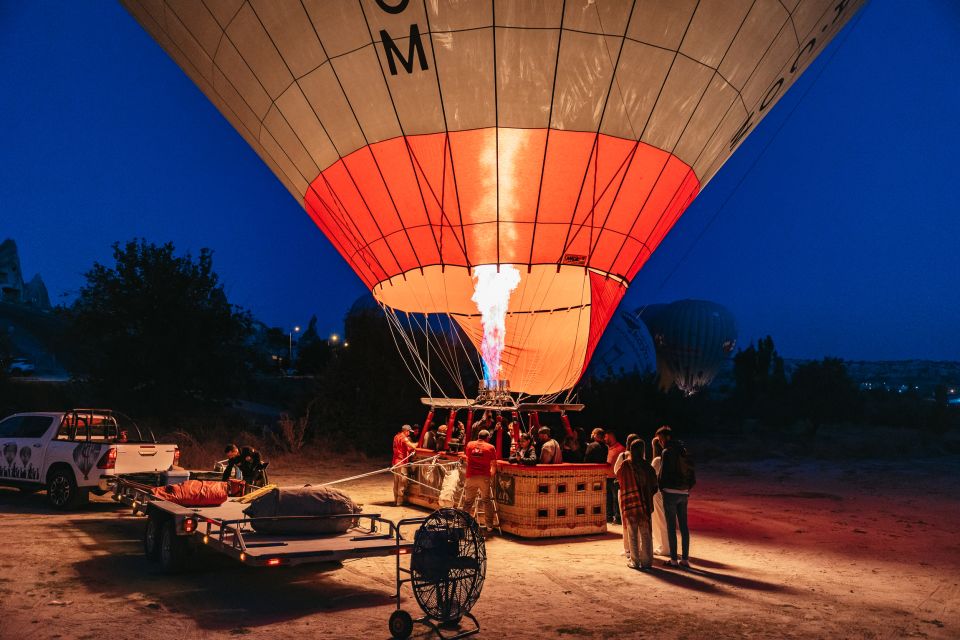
(157, 329)
(761, 381)
(822, 392)
(6, 353)
(313, 353)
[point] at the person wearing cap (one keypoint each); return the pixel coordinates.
(481, 457)
(550, 452)
(403, 448)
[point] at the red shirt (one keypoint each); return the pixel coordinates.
(401, 447)
(480, 455)
(613, 452)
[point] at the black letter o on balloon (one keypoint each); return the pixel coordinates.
(771, 94)
(390, 8)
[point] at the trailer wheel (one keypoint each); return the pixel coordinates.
(62, 490)
(151, 538)
(174, 550)
(401, 624)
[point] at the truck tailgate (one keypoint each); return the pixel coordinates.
(132, 458)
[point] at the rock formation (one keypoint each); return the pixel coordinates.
(12, 287)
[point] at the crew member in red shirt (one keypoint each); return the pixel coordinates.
(481, 456)
(403, 446)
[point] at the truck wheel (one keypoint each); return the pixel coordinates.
(62, 490)
(151, 538)
(174, 550)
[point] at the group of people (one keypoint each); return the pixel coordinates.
(646, 495)
(652, 496)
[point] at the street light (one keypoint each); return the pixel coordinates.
(290, 338)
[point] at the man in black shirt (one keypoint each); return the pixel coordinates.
(247, 460)
(596, 452)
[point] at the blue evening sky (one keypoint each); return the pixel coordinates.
(834, 228)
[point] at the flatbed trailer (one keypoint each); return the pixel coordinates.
(443, 557)
(172, 531)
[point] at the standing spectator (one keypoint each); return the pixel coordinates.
(403, 448)
(481, 456)
(625, 454)
(638, 484)
(549, 448)
(596, 452)
(485, 422)
(614, 449)
(456, 440)
(660, 547)
(442, 438)
(572, 452)
(430, 437)
(526, 453)
(502, 441)
(626, 451)
(677, 478)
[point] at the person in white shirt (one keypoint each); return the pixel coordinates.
(550, 452)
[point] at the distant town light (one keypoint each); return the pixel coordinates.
(297, 329)
(346, 344)
(334, 337)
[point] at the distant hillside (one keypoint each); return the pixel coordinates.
(924, 375)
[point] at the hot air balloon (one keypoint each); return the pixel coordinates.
(537, 151)
(9, 454)
(85, 455)
(692, 339)
(25, 454)
(625, 347)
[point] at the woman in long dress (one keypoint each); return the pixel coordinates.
(660, 546)
(638, 484)
(616, 465)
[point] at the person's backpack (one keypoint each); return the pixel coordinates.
(686, 470)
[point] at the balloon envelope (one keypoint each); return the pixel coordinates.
(692, 339)
(626, 347)
(427, 138)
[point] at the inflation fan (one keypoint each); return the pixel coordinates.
(448, 565)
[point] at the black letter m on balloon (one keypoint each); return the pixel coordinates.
(416, 44)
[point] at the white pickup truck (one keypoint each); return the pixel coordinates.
(76, 452)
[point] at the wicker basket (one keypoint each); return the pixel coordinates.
(431, 476)
(546, 501)
(542, 501)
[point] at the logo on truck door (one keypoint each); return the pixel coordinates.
(85, 455)
(9, 454)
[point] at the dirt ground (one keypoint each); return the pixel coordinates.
(779, 550)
